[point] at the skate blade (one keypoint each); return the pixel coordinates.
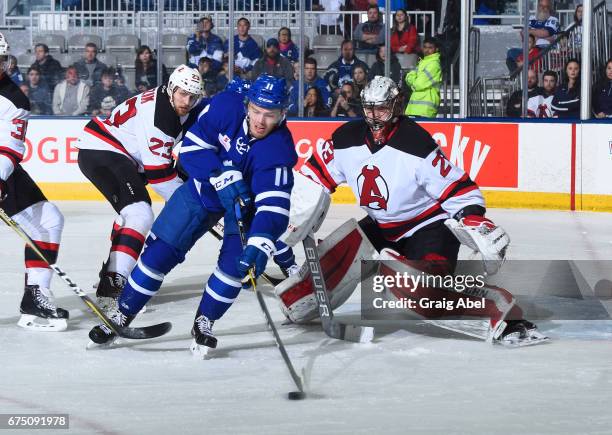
(530, 341)
(143, 310)
(199, 351)
(91, 345)
(41, 324)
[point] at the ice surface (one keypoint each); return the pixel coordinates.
(414, 380)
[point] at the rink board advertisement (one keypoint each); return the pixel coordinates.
(529, 165)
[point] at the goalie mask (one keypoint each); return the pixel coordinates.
(381, 106)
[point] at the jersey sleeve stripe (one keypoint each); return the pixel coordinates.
(320, 177)
(11, 152)
(162, 179)
(11, 157)
(189, 135)
(459, 185)
(271, 209)
(157, 167)
(272, 194)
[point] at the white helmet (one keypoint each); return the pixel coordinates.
(188, 79)
(4, 47)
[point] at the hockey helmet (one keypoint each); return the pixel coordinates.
(4, 53)
(238, 85)
(380, 92)
(268, 92)
(188, 79)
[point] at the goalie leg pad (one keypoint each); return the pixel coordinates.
(341, 254)
(499, 303)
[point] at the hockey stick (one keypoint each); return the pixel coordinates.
(126, 332)
(217, 230)
(332, 327)
(293, 395)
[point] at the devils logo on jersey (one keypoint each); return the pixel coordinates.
(373, 190)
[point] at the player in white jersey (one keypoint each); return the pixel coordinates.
(129, 149)
(22, 200)
(419, 205)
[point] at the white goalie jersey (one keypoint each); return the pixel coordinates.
(404, 185)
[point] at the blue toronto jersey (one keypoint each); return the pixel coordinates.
(211, 47)
(220, 138)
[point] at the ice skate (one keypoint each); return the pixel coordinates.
(518, 333)
(109, 289)
(203, 338)
(102, 335)
(38, 311)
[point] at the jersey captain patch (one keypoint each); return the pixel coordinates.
(373, 189)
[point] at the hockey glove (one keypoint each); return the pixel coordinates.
(3, 190)
(255, 255)
(482, 235)
(230, 187)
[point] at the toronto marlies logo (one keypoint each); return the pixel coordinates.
(242, 147)
(373, 189)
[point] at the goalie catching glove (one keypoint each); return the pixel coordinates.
(483, 236)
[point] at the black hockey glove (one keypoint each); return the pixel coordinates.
(3, 190)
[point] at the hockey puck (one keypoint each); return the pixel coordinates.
(296, 395)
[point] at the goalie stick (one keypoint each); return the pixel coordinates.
(332, 327)
(125, 332)
(293, 395)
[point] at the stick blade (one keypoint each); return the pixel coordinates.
(357, 334)
(145, 332)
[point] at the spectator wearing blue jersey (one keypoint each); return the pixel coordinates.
(204, 43)
(311, 79)
(272, 63)
(342, 70)
(543, 26)
(246, 50)
(233, 157)
(287, 48)
(13, 70)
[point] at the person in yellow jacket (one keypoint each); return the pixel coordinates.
(425, 83)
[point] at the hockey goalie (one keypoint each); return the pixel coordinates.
(420, 209)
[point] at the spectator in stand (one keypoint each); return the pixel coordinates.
(342, 70)
(287, 48)
(347, 105)
(533, 53)
(12, 70)
(246, 50)
(50, 68)
(209, 76)
(543, 26)
(378, 68)
(89, 67)
(104, 89)
(424, 82)
(272, 63)
(360, 78)
(204, 43)
(329, 24)
(352, 20)
(314, 107)
(106, 106)
(514, 108)
(575, 41)
(371, 34)
(223, 75)
(602, 94)
(566, 102)
(549, 87)
(146, 69)
(71, 96)
(403, 34)
(38, 93)
(311, 79)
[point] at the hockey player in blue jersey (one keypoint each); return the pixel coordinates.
(229, 155)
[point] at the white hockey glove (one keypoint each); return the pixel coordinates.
(482, 235)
